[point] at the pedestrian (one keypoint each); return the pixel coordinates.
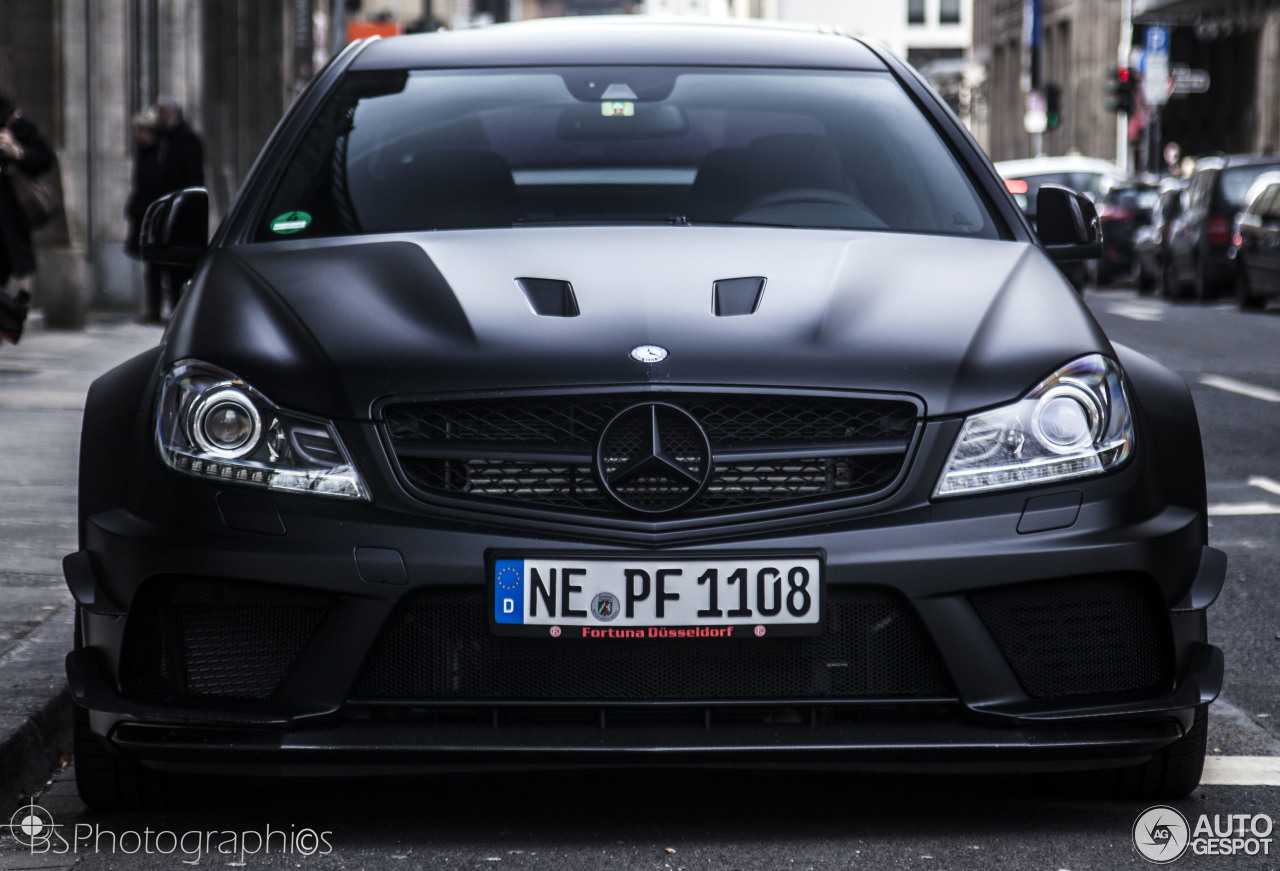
(22, 150)
(147, 187)
(180, 160)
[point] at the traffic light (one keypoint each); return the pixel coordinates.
(1052, 106)
(1120, 89)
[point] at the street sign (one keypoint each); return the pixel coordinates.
(1155, 73)
(1188, 81)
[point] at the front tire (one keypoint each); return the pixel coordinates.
(1146, 283)
(1170, 286)
(106, 780)
(110, 782)
(1173, 772)
(1201, 288)
(1245, 297)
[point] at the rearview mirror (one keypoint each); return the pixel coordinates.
(175, 230)
(1068, 225)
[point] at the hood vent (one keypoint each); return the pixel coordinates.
(549, 297)
(738, 296)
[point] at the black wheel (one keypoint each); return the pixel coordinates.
(1201, 288)
(1170, 286)
(106, 780)
(1245, 297)
(1173, 772)
(110, 782)
(1146, 283)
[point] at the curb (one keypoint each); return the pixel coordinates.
(35, 730)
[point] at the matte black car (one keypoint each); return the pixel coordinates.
(1255, 246)
(1198, 259)
(628, 393)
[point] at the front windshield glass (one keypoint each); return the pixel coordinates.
(396, 152)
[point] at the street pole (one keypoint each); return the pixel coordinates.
(1122, 60)
(1033, 81)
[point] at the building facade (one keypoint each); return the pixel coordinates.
(81, 69)
(1081, 40)
(1237, 42)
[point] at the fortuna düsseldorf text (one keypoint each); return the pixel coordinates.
(659, 632)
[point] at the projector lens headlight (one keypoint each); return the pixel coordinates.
(226, 423)
(212, 425)
(1074, 424)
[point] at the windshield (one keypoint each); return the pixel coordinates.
(426, 150)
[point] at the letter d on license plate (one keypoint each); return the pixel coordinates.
(641, 597)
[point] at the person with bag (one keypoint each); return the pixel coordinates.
(148, 186)
(181, 165)
(24, 201)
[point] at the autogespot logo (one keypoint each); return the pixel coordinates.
(1161, 834)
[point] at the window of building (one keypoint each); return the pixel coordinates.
(949, 12)
(915, 11)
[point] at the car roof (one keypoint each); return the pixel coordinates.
(1037, 165)
(1261, 183)
(622, 40)
(1221, 161)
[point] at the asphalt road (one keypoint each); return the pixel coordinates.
(717, 820)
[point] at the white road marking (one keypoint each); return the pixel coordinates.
(1137, 312)
(1242, 509)
(1241, 771)
(1265, 484)
(1231, 385)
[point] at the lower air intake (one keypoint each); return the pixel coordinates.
(439, 647)
(216, 639)
(1081, 637)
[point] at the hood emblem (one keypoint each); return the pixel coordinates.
(653, 458)
(648, 354)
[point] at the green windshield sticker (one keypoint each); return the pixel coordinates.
(291, 222)
(617, 108)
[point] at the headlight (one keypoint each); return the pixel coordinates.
(1074, 424)
(212, 425)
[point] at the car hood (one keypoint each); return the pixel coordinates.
(334, 326)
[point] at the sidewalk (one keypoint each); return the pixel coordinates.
(43, 381)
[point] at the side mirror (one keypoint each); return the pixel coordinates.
(1068, 225)
(175, 230)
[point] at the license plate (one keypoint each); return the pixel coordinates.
(625, 597)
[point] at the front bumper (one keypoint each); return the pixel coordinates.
(932, 555)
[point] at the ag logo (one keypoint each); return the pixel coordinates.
(604, 607)
(1161, 834)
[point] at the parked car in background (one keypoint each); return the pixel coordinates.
(1123, 209)
(1086, 175)
(1255, 245)
(1150, 240)
(1200, 239)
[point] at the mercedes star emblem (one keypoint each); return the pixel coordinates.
(648, 354)
(653, 457)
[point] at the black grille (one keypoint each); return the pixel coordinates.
(438, 647)
(1081, 637)
(218, 639)
(542, 451)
